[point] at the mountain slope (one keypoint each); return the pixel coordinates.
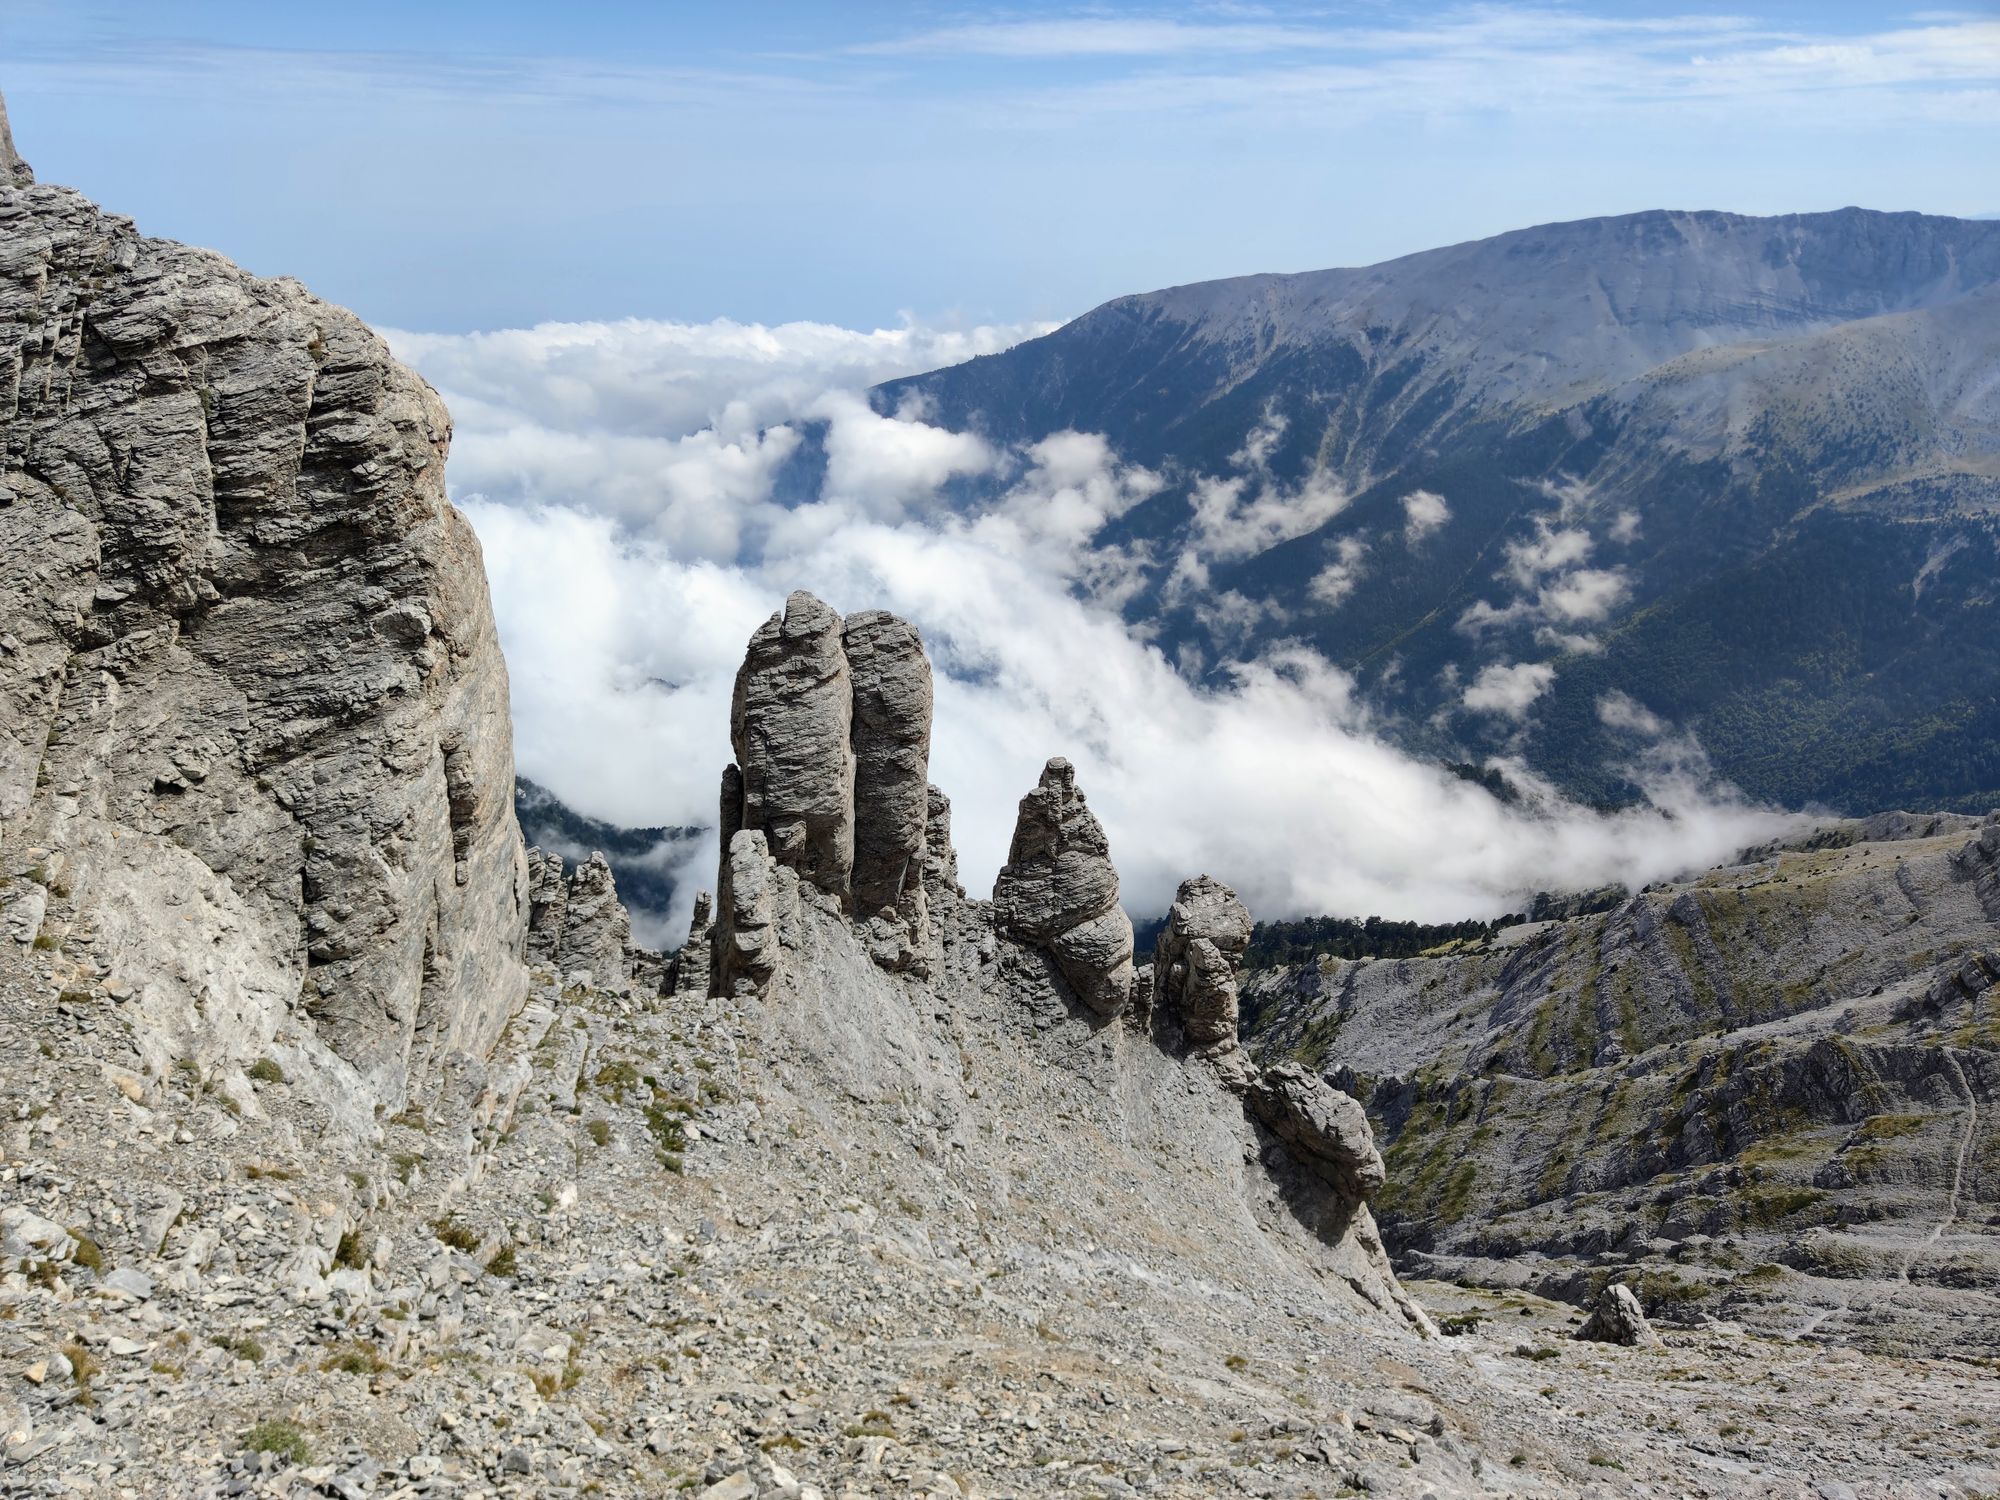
(1743, 472)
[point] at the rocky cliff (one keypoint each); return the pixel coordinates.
(255, 768)
(1760, 1094)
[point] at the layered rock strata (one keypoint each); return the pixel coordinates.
(255, 766)
(1058, 892)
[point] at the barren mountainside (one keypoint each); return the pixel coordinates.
(349, 1147)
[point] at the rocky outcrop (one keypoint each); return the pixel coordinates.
(692, 970)
(1619, 1319)
(253, 715)
(831, 724)
(1325, 1129)
(1196, 960)
(548, 894)
(790, 722)
(1058, 891)
(754, 896)
(597, 930)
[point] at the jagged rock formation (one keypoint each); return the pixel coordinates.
(1618, 1319)
(597, 933)
(692, 970)
(548, 895)
(1327, 1130)
(1059, 892)
(831, 725)
(1760, 1093)
(255, 769)
(1196, 959)
(756, 895)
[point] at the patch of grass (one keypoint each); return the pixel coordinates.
(355, 1358)
(265, 1070)
(502, 1262)
(1457, 1324)
(872, 1424)
(615, 1078)
(242, 1346)
(455, 1234)
(599, 1131)
(1522, 1351)
(83, 1367)
(352, 1252)
(285, 1439)
(667, 1126)
(1889, 1127)
(88, 1254)
(1236, 1362)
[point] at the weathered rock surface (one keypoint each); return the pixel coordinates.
(891, 678)
(1059, 892)
(255, 767)
(1327, 1130)
(1619, 1319)
(13, 171)
(756, 895)
(791, 723)
(548, 895)
(1196, 960)
(597, 931)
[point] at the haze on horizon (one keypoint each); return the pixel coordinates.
(457, 166)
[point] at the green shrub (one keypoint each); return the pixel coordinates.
(274, 1435)
(265, 1070)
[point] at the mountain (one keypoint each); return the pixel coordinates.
(1734, 475)
(643, 859)
(1759, 1093)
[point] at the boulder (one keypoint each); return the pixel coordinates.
(597, 930)
(1619, 1319)
(1058, 891)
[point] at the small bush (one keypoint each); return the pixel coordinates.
(455, 1234)
(502, 1262)
(1236, 1362)
(599, 1131)
(350, 1254)
(265, 1070)
(274, 1435)
(243, 1347)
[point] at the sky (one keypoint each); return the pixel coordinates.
(641, 249)
(455, 166)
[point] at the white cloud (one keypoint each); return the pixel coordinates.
(1508, 690)
(1624, 527)
(623, 633)
(1337, 579)
(1616, 710)
(1424, 511)
(1556, 593)
(1549, 550)
(1250, 511)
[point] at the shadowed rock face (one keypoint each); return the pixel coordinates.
(252, 688)
(790, 723)
(1059, 892)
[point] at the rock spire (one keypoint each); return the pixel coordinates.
(1059, 892)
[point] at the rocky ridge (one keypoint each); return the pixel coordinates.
(1759, 1094)
(874, 1188)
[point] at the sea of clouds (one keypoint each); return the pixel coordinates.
(627, 484)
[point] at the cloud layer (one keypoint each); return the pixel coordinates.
(632, 552)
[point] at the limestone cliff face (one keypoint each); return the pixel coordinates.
(255, 761)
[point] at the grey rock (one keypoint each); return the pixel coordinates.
(548, 893)
(255, 698)
(692, 970)
(1196, 959)
(13, 171)
(1619, 1319)
(790, 723)
(1058, 891)
(747, 919)
(25, 1234)
(891, 678)
(596, 931)
(1327, 1131)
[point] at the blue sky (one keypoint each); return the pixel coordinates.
(454, 166)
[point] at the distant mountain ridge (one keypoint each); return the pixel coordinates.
(1738, 473)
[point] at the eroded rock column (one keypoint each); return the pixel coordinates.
(1196, 959)
(1059, 892)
